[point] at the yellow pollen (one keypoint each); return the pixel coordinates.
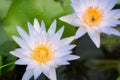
(42, 54)
(92, 17)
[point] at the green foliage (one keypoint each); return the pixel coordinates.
(19, 13)
(6, 45)
(118, 78)
(119, 1)
(4, 6)
(105, 64)
(113, 41)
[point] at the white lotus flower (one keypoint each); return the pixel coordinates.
(42, 51)
(94, 17)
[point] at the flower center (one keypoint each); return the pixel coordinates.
(42, 54)
(92, 17)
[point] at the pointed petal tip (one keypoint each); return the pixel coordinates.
(43, 28)
(36, 25)
(29, 24)
(95, 37)
(73, 57)
(67, 63)
(77, 57)
(74, 45)
(62, 28)
(69, 19)
(55, 20)
(14, 37)
(35, 19)
(60, 18)
(97, 45)
(54, 23)
(42, 22)
(63, 18)
(11, 52)
(18, 28)
(17, 63)
(52, 28)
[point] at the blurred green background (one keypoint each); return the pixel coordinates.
(95, 64)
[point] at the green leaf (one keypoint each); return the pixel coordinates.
(1, 64)
(4, 6)
(22, 11)
(6, 45)
(67, 7)
(6, 64)
(118, 78)
(118, 1)
(105, 64)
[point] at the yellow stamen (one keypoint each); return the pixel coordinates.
(92, 17)
(42, 54)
